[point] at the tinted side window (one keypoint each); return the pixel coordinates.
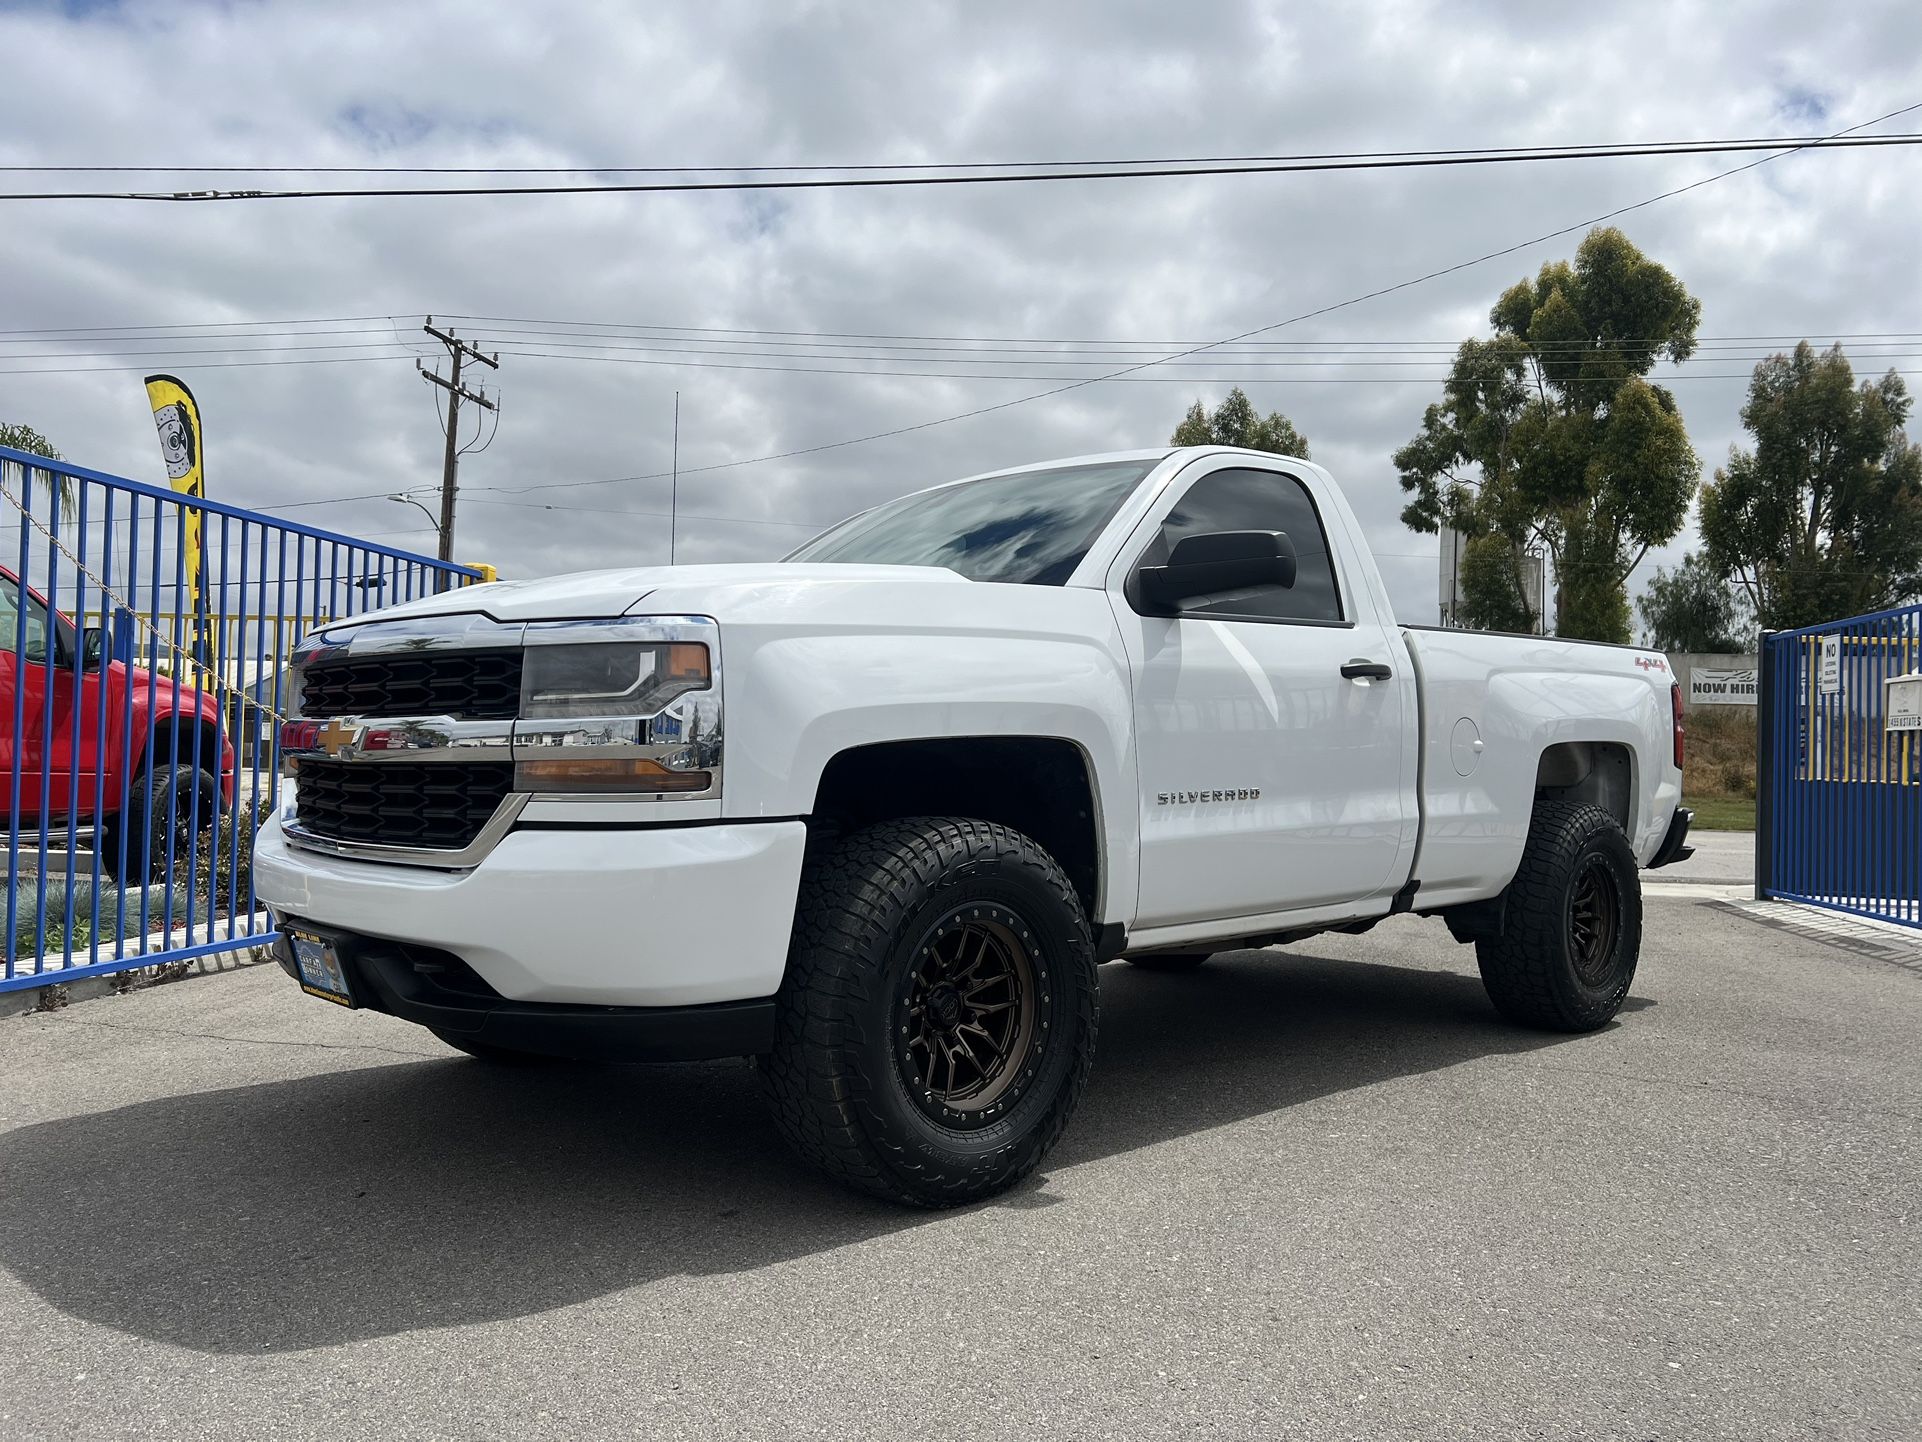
(1257, 501)
(36, 629)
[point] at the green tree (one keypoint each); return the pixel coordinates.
(1549, 435)
(26, 438)
(1823, 518)
(1494, 595)
(1692, 609)
(1234, 423)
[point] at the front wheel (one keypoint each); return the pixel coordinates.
(1571, 923)
(936, 1023)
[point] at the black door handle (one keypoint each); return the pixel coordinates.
(1362, 669)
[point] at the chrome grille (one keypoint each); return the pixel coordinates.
(424, 805)
(472, 685)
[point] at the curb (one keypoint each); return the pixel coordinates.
(57, 994)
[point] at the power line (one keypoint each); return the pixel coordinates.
(546, 506)
(1249, 334)
(803, 169)
(1058, 353)
(1246, 360)
(612, 511)
(498, 325)
(1236, 378)
(1779, 145)
(1430, 378)
(208, 365)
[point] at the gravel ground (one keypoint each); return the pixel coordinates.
(1316, 1193)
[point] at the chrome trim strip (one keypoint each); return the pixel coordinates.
(470, 855)
(642, 629)
(460, 631)
(408, 738)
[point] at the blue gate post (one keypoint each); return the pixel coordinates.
(120, 636)
(1767, 683)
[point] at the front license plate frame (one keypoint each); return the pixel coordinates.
(317, 959)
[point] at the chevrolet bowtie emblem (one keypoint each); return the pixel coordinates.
(335, 738)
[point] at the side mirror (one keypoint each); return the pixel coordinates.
(1220, 561)
(93, 646)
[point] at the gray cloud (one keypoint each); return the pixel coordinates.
(1809, 244)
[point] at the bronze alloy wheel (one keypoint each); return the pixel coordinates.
(971, 1017)
(937, 1019)
(1594, 914)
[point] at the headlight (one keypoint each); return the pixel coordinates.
(610, 679)
(631, 707)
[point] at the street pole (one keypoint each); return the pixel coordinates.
(461, 351)
(674, 484)
(450, 462)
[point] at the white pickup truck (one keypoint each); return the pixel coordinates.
(874, 814)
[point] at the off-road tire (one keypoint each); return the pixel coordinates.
(837, 1079)
(1538, 971)
(484, 1051)
(151, 810)
(1170, 960)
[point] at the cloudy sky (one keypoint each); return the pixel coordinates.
(1814, 244)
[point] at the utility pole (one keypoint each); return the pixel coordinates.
(461, 351)
(674, 493)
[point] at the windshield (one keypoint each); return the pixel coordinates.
(1031, 528)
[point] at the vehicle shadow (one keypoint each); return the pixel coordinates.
(386, 1199)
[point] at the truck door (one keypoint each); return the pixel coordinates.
(45, 740)
(1271, 723)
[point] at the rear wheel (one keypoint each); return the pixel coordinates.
(1571, 923)
(936, 1023)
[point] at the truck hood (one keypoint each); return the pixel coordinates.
(666, 590)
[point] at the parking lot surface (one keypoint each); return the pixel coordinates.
(1319, 1192)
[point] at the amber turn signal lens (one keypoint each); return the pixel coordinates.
(590, 773)
(686, 661)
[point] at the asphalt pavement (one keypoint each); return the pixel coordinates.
(1318, 1192)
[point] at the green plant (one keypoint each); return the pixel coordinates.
(107, 900)
(225, 854)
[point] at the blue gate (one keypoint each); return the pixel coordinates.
(1839, 783)
(140, 696)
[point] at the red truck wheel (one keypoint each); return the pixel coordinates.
(162, 807)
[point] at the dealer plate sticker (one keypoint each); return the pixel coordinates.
(321, 973)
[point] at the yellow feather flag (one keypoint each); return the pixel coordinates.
(177, 417)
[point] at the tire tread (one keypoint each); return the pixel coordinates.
(854, 891)
(1523, 968)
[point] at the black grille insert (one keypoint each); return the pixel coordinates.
(474, 685)
(441, 807)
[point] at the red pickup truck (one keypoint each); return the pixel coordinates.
(111, 730)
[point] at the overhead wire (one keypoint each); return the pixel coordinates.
(1776, 145)
(1125, 372)
(1319, 311)
(736, 335)
(817, 168)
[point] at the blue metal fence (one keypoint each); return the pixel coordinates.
(1839, 784)
(139, 712)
